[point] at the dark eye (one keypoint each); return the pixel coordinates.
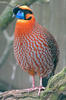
(15, 10)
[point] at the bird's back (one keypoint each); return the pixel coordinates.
(52, 44)
(55, 56)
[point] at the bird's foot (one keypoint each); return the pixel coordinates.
(40, 88)
(34, 89)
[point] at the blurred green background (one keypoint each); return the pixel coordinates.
(50, 14)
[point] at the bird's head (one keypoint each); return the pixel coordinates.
(25, 18)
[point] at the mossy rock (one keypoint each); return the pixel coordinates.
(56, 88)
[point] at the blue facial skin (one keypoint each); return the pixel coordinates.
(20, 15)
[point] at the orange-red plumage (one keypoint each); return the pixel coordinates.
(24, 26)
(35, 48)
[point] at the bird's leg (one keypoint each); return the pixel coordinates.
(40, 87)
(40, 81)
(33, 81)
(35, 88)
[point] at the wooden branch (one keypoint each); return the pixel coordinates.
(9, 45)
(19, 95)
(55, 90)
(6, 16)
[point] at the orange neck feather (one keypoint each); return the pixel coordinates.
(24, 26)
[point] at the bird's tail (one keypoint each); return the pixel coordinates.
(45, 79)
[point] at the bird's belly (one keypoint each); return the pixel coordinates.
(32, 58)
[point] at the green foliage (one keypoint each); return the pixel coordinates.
(56, 87)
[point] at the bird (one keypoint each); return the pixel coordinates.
(35, 48)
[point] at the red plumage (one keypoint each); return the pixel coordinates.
(35, 48)
(33, 52)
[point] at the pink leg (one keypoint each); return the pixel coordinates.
(40, 87)
(40, 81)
(35, 88)
(33, 81)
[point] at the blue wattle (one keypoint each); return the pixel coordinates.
(20, 15)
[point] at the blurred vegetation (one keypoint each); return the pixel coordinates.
(56, 88)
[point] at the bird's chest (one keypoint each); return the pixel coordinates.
(28, 50)
(24, 51)
(32, 53)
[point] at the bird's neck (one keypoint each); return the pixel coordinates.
(24, 27)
